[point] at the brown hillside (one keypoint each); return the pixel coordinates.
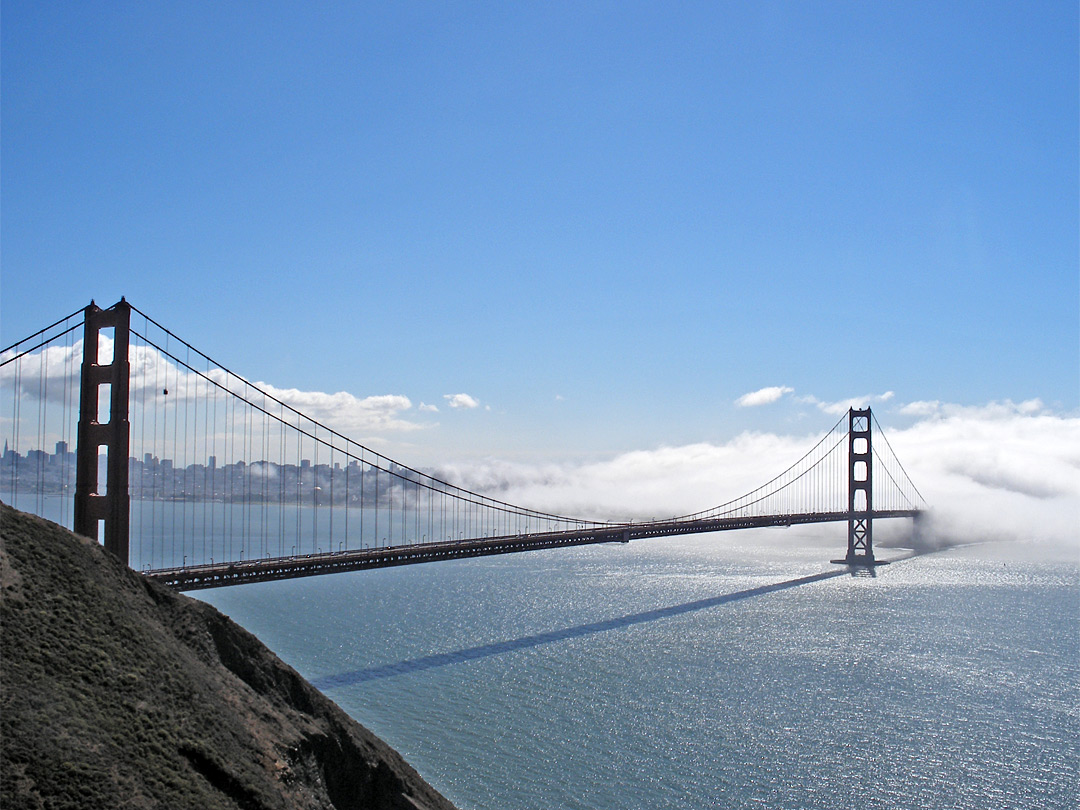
(118, 693)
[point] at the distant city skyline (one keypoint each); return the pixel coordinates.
(240, 480)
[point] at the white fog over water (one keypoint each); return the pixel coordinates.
(1004, 471)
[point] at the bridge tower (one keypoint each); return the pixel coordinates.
(860, 549)
(112, 505)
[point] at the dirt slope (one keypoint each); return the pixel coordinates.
(118, 693)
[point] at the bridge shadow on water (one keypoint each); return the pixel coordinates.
(527, 642)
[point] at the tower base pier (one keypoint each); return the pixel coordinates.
(860, 561)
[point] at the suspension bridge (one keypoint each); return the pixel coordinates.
(200, 478)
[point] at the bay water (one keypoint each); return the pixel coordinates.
(735, 670)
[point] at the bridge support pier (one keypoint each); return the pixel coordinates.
(919, 541)
(112, 506)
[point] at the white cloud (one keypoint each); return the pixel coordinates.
(347, 413)
(427, 408)
(998, 470)
(923, 408)
(641, 484)
(52, 373)
(461, 401)
(763, 396)
(843, 405)
(152, 374)
(991, 410)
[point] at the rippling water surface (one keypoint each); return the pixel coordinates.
(737, 670)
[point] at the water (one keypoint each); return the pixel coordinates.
(728, 670)
(670, 674)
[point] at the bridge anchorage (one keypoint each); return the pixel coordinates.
(209, 480)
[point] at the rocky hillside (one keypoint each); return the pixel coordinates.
(116, 692)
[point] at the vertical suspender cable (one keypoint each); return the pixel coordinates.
(16, 391)
(43, 393)
(184, 494)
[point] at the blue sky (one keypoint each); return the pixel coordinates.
(604, 222)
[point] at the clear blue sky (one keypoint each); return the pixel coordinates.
(604, 221)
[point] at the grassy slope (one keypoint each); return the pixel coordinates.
(116, 692)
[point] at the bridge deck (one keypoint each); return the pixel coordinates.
(217, 575)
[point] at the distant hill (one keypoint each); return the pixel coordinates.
(116, 692)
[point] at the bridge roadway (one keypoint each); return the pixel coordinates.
(217, 575)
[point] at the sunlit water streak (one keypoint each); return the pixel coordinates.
(711, 671)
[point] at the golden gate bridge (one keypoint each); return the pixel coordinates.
(208, 479)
